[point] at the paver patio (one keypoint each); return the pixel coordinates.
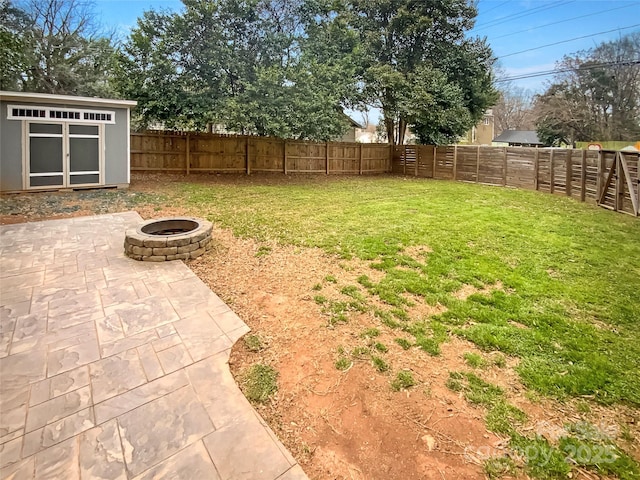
(112, 368)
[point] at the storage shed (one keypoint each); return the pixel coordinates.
(50, 142)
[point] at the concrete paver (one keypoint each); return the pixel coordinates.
(116, 369)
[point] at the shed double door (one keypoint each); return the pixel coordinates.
(63, 155)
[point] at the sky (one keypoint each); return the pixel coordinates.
(510, 27)
(516, 25)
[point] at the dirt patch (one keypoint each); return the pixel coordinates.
(341, 424)
(466, 290)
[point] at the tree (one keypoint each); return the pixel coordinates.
(402, 42)
(52, 47)
(514, 109)
(14, 45)
(265, 67)
(595, 97)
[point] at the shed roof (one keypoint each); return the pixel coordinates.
(30, 97)
(519, 136)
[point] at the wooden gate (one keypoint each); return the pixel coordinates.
(621, 188)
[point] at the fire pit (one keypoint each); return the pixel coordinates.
(168, 239)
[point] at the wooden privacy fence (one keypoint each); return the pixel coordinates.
(209, 153)
(610, 178)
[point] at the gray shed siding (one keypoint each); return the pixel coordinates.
(10, 152)
(116, 161)
(116, 143)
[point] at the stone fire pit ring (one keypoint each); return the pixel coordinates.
(163, 239)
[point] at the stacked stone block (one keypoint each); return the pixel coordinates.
(160, 248)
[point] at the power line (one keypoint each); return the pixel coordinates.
(544, 73)
(494, 8)
(533, 11)
(561, 21)
(569, 40)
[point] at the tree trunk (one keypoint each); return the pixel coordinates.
(389, 125)
(402, 128)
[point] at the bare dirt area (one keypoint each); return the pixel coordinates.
(339, 424)
(342, 424)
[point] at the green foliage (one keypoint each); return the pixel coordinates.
(15, 53)
(499, 361)
(419, 67)
(435, 109)
(253, 342)
(320, 299)
(474, 360)
(502, 417)
(260, 382)
(588, 447)
(249, 67)
(541, 460)
(380, 364)
(353, 292)
(497, 467)
(403, 342)
(360, 352)
(263, 250)
(370, 332)
(402, 381)
(53, 46)
(386, 318)
(342, 363)
(381, 347)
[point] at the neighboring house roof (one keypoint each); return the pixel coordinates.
(352, 122)
(529, 137)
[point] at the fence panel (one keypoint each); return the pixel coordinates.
(265, 154)
(521, 168)
(155, 152)
(201, 152)
(306, 157)
(220, 154)
(492, 169)
(444, 162)
(467, 162)
(607, 177)
(375, 158)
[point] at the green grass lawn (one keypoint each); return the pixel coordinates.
(570, 271)
(568, 305)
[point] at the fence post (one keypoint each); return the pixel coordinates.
(188, 154)
(455, 161)
(433, 165)
(435, 155)
(536, 168)
(392, 153)
(415, 167)
(246, 155)
(619, 190)
(504, 179)
(552, 172)
(583, 176)
(478, 164)
(284, 156)
(326, 156)
(599, 175)
(568, 173)
(360, 159)
(404, 162)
